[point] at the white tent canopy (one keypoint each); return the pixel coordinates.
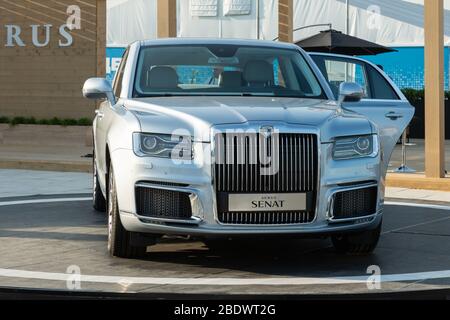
(255, 17)
(130, 20)
(387, 22)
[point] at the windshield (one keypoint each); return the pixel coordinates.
(224, 70)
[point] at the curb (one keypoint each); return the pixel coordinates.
(417, 201)
(45, 165)
(417, 181)
(28, 134)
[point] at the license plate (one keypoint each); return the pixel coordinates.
(267, 202)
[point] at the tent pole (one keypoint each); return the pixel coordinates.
(347, 19)
(257, 19)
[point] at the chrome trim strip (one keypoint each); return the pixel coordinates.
(370, 217)
(193, 221)
(169, 188)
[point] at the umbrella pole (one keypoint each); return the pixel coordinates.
(403, 167)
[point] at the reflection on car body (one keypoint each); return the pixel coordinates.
(268, 148)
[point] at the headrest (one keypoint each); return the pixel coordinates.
(230, 79)
(258, 71)
(162, 78)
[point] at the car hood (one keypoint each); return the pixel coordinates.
(197, 115)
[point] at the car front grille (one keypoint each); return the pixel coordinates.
(355, 203)
(240, 171)
(159, 203)
(266, 218)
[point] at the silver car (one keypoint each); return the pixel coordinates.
(227, 140)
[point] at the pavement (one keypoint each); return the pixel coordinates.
(415, 155)
(44, 243)
(49, 230)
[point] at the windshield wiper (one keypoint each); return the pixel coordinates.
(152, 95)
(252, 94)
(238, 94)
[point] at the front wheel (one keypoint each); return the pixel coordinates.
(362, 243)
(119, 239)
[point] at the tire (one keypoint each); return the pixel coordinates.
(119, 239)
(363, 243)
(98, 200)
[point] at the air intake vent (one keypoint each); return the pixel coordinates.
(158, 203)
(355, 203)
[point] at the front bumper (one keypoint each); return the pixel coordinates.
(195, 179)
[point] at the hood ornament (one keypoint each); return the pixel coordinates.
(266, 131)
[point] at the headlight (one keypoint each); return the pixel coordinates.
(162, 146)
(355, 147)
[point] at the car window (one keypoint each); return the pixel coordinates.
(225, 70)
(381, 89)
(117, 86)
(337, 69)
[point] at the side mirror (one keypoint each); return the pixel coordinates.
(350, 92)
(99, 88)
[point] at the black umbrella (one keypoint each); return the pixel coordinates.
(334, 41)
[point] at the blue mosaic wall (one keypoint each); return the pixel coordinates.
(406, 67)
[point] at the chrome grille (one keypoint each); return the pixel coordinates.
(266, 218)
(239, 171)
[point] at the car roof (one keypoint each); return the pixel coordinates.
(212, 41)
(336, 55)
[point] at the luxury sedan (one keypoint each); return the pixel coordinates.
(239, 139)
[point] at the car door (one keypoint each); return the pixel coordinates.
(383, 103)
